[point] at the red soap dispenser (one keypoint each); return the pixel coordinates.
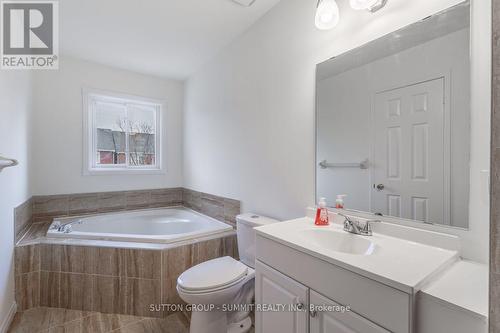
(322, 213)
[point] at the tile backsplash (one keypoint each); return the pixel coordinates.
(47, 207)
(220, 208)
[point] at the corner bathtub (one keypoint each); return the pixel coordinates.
(165, 225)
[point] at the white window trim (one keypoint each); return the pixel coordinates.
(89, 165)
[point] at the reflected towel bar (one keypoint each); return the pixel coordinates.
(363, 165)
(7, 163)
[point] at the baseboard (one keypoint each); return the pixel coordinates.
(5, 324)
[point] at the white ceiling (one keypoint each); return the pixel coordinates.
(169, 38)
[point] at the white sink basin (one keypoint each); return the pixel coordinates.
(405, 263)
(338, 241)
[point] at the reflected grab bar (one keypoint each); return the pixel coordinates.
(363, 165)
(7, 163)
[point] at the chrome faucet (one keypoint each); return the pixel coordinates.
(355, 227)
(65, 227)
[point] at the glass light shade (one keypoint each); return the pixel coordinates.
(327, 15)
(363, 4)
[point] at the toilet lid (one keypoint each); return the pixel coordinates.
(212, 274)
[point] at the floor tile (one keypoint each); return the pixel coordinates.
(55, 320)
(40, 319)
(103, 323)
(175, 323)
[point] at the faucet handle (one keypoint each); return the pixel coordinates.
(347, 221)
(55, 225)
(346, 218)
(367, 228)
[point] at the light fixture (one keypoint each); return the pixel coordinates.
(371, 5)
(327, 14)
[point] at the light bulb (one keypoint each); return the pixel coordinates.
(363, 4)
(327, 15)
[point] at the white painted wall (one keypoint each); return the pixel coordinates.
(15, 129)
(249, 114)
(58, 146)
(345, 131)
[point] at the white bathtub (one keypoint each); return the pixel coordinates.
(166, 225)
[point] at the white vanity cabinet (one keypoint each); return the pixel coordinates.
(328, 321)
(285, 275)
(276, 289)
(272, 287)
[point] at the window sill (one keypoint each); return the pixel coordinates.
(117, 171)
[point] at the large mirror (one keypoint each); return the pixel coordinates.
(393, 123)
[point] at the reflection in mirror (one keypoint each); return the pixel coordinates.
(393, 123)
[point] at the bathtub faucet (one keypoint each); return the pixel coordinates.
(65, 227)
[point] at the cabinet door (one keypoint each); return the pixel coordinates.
(330, 320)
(274, 288)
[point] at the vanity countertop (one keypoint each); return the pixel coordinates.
(463, 286)
(402, 264)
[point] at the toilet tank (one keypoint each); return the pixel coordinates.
(246, 235)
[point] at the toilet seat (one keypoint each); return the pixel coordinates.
(212, 275)
(210, 291)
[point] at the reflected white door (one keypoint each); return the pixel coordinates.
(408, 170)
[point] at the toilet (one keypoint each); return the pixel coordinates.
(212, 284)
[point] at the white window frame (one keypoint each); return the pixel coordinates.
(90, 166)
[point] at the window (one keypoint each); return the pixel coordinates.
(122, 133)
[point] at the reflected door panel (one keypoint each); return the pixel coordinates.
(408, 151)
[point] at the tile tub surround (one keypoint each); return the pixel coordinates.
(494, 317)
(220, 208)
(22, 218)
(34, 216)
(53, 320)
(108, 280)
(45, 208)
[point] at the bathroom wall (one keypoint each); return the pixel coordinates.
(249, 114)
(58, 146)
(15, 129)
